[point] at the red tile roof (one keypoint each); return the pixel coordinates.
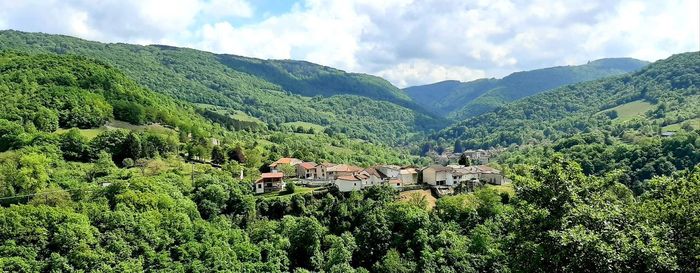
(308, 165)
(348, 178)
(272, 175)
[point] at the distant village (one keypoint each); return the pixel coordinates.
(442, 179)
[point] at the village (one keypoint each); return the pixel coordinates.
(441, 179)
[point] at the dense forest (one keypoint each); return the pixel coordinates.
(119, 158)
(460, 100)
(275, 92)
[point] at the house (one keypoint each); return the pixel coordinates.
(370, 177)
(341, 170)
(389, 171)
(408, 176)
(437, 175)
(348, 183)
(322, 171)
(490, 175)
(269, 182)
(306, 170)
(478, 156)
(275, 166)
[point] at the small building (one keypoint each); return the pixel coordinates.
(269, 182)
(437, 175)
(370, 177)
(322, 171)
(490, 175)
(274, 167)
(342, 170)
(306, 170)
(348, 183)
(408, 176)
(389, 171)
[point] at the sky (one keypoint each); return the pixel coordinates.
(408, 42)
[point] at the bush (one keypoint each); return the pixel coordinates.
(290, 187)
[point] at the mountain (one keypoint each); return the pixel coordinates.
(662, 96)
(459, 100)
(47, 95)
(235, 90)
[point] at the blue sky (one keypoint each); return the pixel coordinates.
(408, 42)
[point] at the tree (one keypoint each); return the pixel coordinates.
(464, 160)
(74, 145)
(236, 154)
(103, 166)
(458, 147)
(425, 149)
(141, 163)
(287, 169)
(217, 155)
(132, 147)
(290, 187)
(46, 120)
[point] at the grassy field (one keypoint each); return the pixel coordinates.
(116, 124)
(245, 117)
(416, 195)
(507, 188)
(631, 110)
(695, 123)
(305, 125)
(87, 133)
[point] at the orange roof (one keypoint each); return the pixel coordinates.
(272, 175)
(348, 178)
(344, 168)
(284, 160)
(308, 165)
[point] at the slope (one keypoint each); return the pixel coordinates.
(671, 86)
(459, 100)
(212, 80)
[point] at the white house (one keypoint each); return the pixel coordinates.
(369, 177)
(269, 182)
(348, 183)
(437, 175)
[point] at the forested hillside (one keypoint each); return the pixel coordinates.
(211, 80)
(126, 190)
(460, 100)
(665, 93)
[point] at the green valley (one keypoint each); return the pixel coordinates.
(460, 100)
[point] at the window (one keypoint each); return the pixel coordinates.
(259, 186)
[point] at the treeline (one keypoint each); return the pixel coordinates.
(632, 163)
(97, 217)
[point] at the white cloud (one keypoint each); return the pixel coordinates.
(406, 41)
(422, 71)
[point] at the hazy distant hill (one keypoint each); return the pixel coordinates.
(466, 99)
